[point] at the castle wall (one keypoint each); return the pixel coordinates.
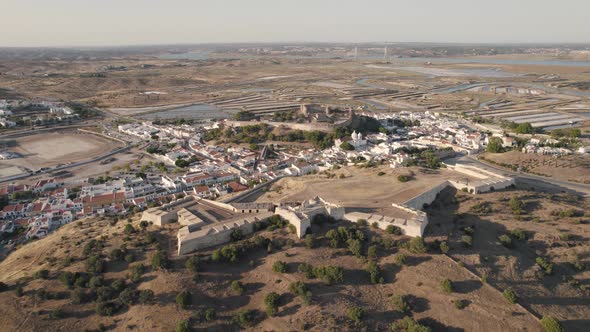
(301, 224)
(426, 197)
(189, 244)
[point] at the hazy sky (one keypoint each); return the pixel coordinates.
(116, 22)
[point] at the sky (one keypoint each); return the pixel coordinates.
(137, 22)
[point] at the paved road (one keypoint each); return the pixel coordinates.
(530, 178)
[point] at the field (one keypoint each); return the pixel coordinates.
(574, 168)
(51, 149)
(485, 309)
(360, 188)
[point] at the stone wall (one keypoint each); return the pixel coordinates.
(158, 217)
(212, 238)
(426, 197)
(301, 224)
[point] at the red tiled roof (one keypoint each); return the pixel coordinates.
(201, 189)
(237, 186)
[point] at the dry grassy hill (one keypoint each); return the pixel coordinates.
(85, 276)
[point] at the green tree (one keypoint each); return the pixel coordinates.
(279, 267)
(271, 300)
(309, 241)
(447, 285)
(400, 303)
(551, 324)
(346, 146)
(510, 295)
(183, 299)
(356, 314)
(495, 145)
(192, 264)
(525, 128)
(237, 287)
(182, 326)
(160, 261)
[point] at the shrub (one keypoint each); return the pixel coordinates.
(236, 235)
(237, 287)
(298, 288)
(230, 253)
(96, 281)
(136, 272)
(19, 291)
(409, 325)
(104, 293)
(551, 324)
(182, 326)
(67, 278)
(192, 264)
(105, 308)
(380, 173)
(374, 273)
(210, 314)
(150, 238)
(372, 252)
(81, 280)
(244, 318)
(444, 247)
(355, 247)
(78, 296)
(160, 261)
(417, 245)
(309, 241)
(545, 264)
(399, 259)
(129, 258)
(505, 240)
(400, 303)
(129, 229)
(403, 178)
(56, 314)
(41, 274)
(459, 304)
(146, 296)
(216, 255)
(183, 299)
(447, 285)
(271, 300)
(510, 295)
(467, 240)
(515, 204)
(356, 314)
(362, 222)
(328, 274)
(375, 224)
(279, 267)
(518, 234)
(391, 229)
(116, 254)
(128, 296)
(94, 264)
(306, 269)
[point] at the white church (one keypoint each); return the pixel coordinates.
(357, 141)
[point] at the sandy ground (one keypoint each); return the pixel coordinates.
(51, 149)
(486, 310)
(574, 168)
(361, 190)
(516, 267)
(6, 170)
